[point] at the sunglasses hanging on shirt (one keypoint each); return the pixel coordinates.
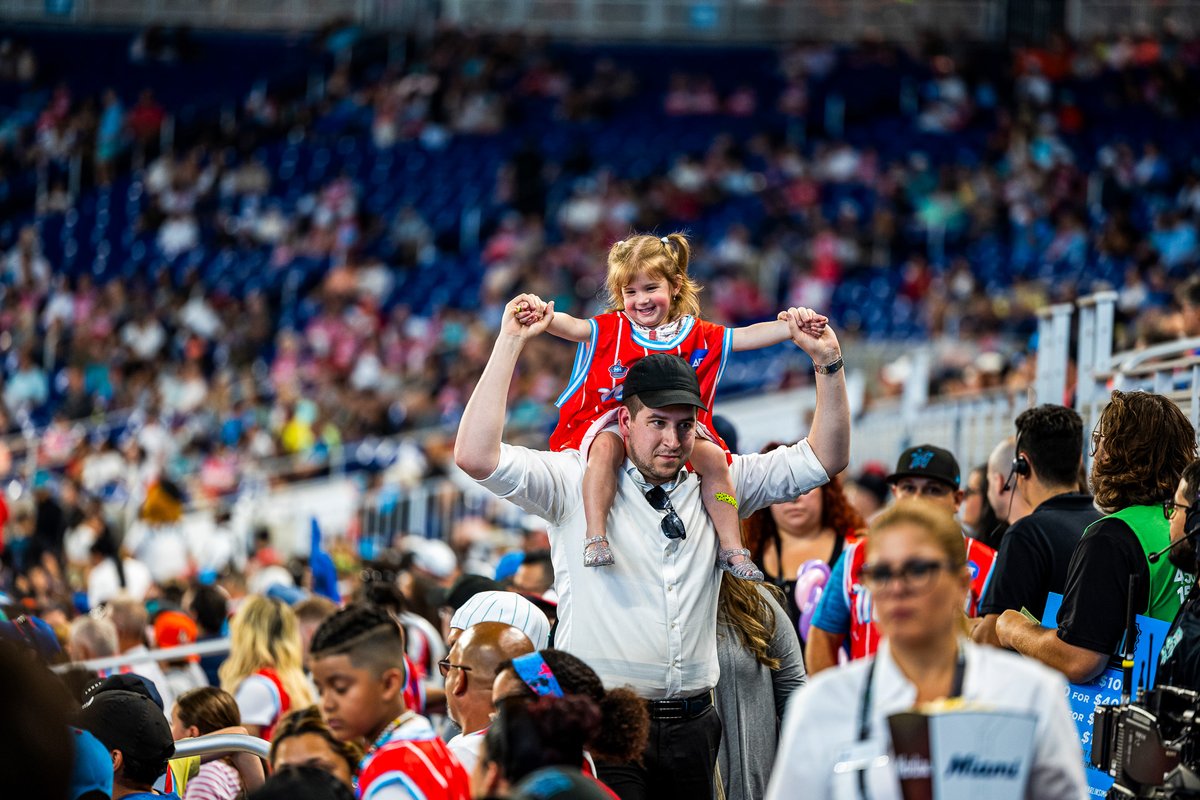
(672, 525)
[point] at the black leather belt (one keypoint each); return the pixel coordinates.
(684, 708)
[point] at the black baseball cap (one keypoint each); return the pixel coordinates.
(661, 380)
(129, 722)
(927, 461)
(128, 682)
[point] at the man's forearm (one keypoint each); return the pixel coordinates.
(821, 649)
(829, 435)
(477, 445)
(1078, 664)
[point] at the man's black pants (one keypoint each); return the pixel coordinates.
(679, 762)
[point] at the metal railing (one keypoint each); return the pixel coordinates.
(222, 743)
(209, 647)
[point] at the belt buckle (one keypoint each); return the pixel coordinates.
(669, 709)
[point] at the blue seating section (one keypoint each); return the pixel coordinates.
(100, 236)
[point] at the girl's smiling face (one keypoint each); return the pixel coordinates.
(648, 300)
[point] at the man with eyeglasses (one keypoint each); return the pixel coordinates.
(924, 472)
(469, 670)
(649, 621)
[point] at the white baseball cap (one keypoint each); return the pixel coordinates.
(509, 608)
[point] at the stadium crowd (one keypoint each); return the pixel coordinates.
(434, 671)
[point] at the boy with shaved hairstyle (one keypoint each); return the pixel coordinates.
(358, 667)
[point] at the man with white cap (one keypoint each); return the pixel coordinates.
(507, 607)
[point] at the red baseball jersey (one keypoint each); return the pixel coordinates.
(864, 636)
(602, 362)
(413, 764)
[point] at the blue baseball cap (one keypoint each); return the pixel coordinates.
(92, 770)
(31, 632)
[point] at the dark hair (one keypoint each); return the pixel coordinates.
(1146, 443)
(209, 708)
(143, 770)
(1052, 438)
(537, 557)
(1191, 479)
(527, 735)
(365, 633)
(988, 521)
(36, 763)
(106, 547)
(309, 720)
(624, 720)
(303, 783)
(210, 608)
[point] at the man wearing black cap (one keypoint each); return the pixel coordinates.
(929, 473)
(136, 734)
(649, 621)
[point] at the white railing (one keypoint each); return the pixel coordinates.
(208, 647)
(1170, 368)
(218, 743)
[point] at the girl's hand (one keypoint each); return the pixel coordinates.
(809, 321)
(529, 308)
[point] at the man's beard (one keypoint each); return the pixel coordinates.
(1183, 556)
(650, 470)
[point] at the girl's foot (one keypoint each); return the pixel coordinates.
(742, 567)
(597, 553)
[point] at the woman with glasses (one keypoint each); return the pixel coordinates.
(836, 736)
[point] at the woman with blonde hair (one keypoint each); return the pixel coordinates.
(836, 736)
(264, 670)
(761, 666)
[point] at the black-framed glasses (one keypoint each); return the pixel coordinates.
(1097, 437)
(916, 574)
(672, 525)
(1170, 506)
(444, 667)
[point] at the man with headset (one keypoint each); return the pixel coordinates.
(1179, 662)
(1141, 445)
(1036, 550)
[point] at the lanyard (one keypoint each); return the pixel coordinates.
(864, 714)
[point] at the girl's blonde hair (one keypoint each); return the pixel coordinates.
(666, 258)
(264, 633)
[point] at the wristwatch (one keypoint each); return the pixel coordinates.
(831, 367)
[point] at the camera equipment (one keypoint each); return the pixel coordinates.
(1151, 747)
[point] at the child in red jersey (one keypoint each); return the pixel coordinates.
(653, 308)
(358, 667)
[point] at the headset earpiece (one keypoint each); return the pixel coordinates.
(1018, 468)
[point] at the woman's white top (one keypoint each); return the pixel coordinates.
(822, 724)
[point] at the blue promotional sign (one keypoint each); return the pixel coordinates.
(1105, 688)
